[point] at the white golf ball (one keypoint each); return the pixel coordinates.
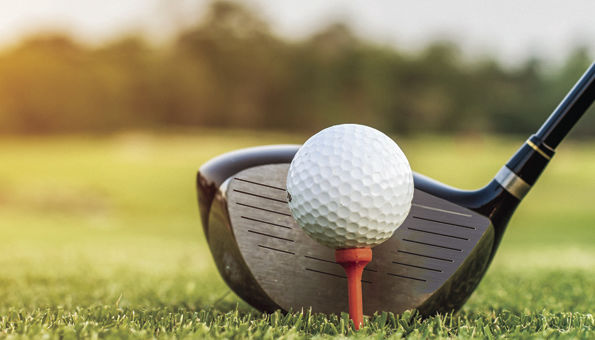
(350, 186)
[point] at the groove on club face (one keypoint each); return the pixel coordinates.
(439, 242)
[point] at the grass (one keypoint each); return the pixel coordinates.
(101, 239)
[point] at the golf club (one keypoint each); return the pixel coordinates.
(432, 263)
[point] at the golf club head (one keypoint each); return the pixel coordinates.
(432, 263)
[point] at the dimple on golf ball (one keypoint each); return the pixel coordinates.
(350, 186)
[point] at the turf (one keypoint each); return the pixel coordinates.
(101, 238)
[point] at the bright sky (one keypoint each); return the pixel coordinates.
(511, 29)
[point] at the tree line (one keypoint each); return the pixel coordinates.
(230, 70)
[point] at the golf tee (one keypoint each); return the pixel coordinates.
(353, 261)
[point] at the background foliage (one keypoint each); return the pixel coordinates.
(231, 71)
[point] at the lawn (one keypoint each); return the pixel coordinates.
(100, 237)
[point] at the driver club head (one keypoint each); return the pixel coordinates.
(432, 263)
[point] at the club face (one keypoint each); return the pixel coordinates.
(432, 263)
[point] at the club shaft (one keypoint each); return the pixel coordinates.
(570, 110)
(523, 169)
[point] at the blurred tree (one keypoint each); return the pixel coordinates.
(244, 61)
(37, 83)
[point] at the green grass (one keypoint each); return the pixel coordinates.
(100, 237)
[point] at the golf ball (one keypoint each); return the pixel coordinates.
(350, 186)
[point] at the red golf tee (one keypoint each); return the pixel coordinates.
(353, 261)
